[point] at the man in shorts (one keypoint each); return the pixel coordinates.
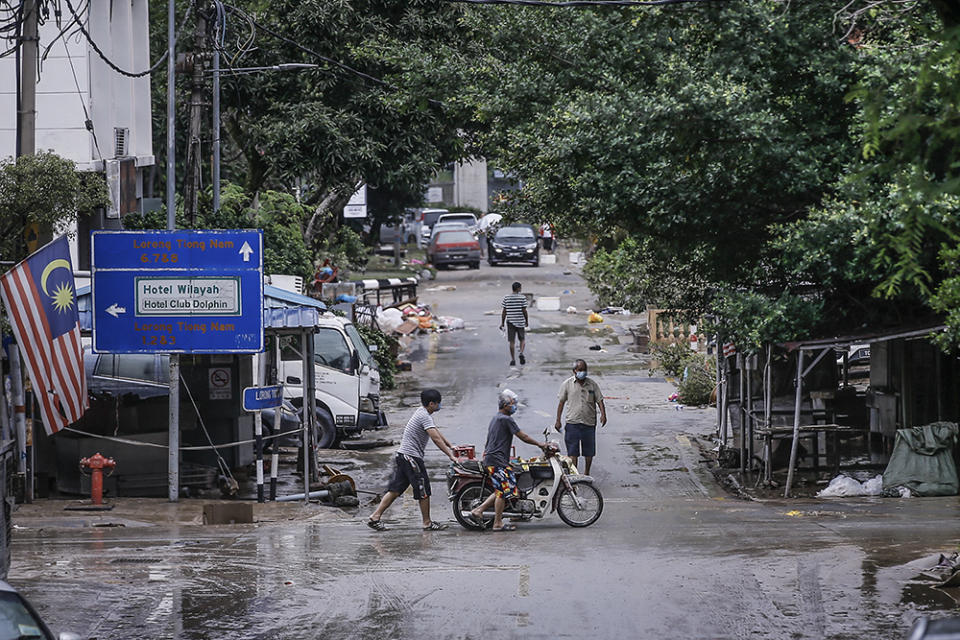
(514, 314)
(583, 397)
(496, 459)
(409, 470)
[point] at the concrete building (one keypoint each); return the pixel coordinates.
(472, 183)
(86, 111)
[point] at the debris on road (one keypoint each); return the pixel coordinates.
(845, 486)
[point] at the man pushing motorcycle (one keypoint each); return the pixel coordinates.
(496, 459)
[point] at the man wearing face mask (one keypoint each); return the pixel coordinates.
(583, 396)
(496, 458)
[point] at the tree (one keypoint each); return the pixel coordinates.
(696, 131)
(380, 107)
(43, 191)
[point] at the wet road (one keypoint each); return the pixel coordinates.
(672, 556)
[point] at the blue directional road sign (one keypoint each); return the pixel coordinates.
(257, 398)
(177, 291)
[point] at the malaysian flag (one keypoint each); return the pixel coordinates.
(42, 304)
(729, 349)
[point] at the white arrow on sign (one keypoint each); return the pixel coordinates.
(246, 251)
(115, 311)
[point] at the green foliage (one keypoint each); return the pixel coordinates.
(698, 385)
(282, 219)
(632, 275)
(672, 359)
(45, 190)
(386, 355)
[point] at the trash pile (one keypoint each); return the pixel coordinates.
(946, 573)
(408, 319)
(844, 487)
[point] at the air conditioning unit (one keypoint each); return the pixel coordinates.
(121, 136)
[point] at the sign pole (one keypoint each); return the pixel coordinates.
(275, 456)
(173, 441)
(258, 425)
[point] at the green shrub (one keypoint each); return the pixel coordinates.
(672, 359)
(696, 388)
(386, 355)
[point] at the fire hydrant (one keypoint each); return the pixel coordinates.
(97, 463)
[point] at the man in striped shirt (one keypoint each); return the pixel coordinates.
(515, 316)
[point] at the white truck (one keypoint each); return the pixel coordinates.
(346, 378)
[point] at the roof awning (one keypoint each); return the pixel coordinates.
(843, 342)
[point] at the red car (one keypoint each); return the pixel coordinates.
(454, 247)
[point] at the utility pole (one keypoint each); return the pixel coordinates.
(216, 124)
(192, 179)
(173, 433)
(27, 114)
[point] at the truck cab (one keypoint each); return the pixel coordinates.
(346, 379)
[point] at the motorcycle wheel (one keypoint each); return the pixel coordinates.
(466, 499)
(591, 505)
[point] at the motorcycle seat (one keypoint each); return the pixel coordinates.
(472, 465)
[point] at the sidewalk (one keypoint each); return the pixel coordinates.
(157, 512)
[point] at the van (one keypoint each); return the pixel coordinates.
(346, 379)
(427, 218)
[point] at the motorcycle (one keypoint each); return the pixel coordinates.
(546, 484)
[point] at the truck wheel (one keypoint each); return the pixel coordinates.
(325, 434)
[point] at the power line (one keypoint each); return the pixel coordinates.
(315, 54)
(110, 62)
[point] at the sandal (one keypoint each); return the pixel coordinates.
(506, 527)
(376, 525)
(479, 521)
(435, 526)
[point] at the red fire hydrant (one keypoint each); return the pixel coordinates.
(97, 463)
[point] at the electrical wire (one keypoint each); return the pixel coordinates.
(320, 56)
(110, 62)
(88, 123)
(69, 26)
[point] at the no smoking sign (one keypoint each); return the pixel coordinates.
(219, 383)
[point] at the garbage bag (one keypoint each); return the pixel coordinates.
(922, 460)
(844, 486)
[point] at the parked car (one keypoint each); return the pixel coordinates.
(427, 218)
(514, 243)
(448, 226)
(18, 619)
(457, 246)
(466, 218)
(402, 231)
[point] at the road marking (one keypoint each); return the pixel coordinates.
(523, 586)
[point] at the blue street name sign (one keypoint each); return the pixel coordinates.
(177, 291)
(256, 398)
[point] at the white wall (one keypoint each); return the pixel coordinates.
(121, 30)
(470, 184)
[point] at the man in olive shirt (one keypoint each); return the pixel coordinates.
(582, 396)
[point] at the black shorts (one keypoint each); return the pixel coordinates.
(515, 332)
(409, 472)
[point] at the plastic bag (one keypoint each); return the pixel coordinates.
(595, 317)
(844, 486)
